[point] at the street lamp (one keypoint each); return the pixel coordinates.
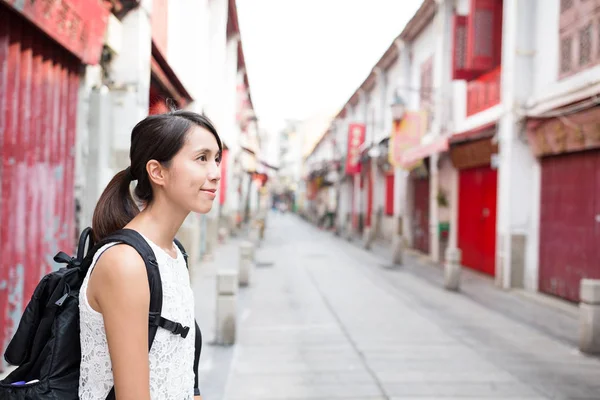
(398, 107)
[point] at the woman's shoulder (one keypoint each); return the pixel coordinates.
(120, 264)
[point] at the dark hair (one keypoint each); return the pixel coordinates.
(156, 137)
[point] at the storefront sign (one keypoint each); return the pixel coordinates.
(575, 132)
(356, 137)
(77, 25)
(406, 134)
(473, 154)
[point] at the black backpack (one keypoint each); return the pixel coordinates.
(46, 344)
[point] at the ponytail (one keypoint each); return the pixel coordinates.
(116, 207)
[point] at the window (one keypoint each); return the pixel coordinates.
(579, 36)
(477, 41)
(426, 92)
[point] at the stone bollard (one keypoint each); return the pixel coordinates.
(452, 269)
(397, 249)
(246, 263)
(254, 234)
(261, 229)
(589, 316)
(368, 237)
(227, 282)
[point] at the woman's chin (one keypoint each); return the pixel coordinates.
(203, 207)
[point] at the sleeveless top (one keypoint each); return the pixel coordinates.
(171, 356)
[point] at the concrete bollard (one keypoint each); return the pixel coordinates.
(397, 249)
(452, 269)
(261, 229)
(227, 282)
(368, 237)
(246, 263)
(254, 234)
(589, 316)
(223, 234)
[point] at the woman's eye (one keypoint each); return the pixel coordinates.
(202, 158)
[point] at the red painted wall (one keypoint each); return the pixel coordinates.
(38, 103)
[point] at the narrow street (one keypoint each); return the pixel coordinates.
(324, 319)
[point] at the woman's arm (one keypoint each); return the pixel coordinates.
(118, 289)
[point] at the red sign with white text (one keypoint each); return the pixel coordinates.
(77, 25)
(356, 137)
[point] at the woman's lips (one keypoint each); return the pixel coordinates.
(209, 192)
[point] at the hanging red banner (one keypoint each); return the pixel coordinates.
(77, 25)
(356, 137)
(406, 134)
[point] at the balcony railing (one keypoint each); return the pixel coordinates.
(483, 92)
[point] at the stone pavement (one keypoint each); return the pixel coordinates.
(323, 320)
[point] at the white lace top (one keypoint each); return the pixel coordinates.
(171, 357)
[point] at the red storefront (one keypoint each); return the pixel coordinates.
(569, 152)
(420, 214)
(42, 47)
(471, 154)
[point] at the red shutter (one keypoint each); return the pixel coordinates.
(459, 48)
(483, 44)
(389, 194)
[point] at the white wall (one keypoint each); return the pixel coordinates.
(188, 47)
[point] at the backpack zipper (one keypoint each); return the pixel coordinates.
(62, 299)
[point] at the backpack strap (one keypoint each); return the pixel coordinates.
(182, 249)
(198, 337)
(135, 240)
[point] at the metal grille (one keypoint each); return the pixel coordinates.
(484, 28)
(585, 45)
(461, 47)
(566, 51)
(565, 5)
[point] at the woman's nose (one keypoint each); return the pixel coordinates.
(214, 172)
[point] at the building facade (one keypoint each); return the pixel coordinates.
(490, 133)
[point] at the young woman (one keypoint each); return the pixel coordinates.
(175, 161)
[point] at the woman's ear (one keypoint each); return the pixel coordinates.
(156, 172)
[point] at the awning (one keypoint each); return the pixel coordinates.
(415, 154)
(482, 132)
(162, 72)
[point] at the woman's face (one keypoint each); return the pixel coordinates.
(194, 174)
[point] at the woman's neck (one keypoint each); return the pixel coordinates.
(159, 224)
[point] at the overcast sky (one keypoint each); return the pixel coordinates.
(308, 56)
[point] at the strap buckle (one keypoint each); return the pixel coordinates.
(181, 330)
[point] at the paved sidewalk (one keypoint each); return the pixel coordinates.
(215, 361)
(554, 317)
(324, 322)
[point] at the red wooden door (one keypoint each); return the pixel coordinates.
(39, 82)
(421, 214)
(569, 227)
(477, 218)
